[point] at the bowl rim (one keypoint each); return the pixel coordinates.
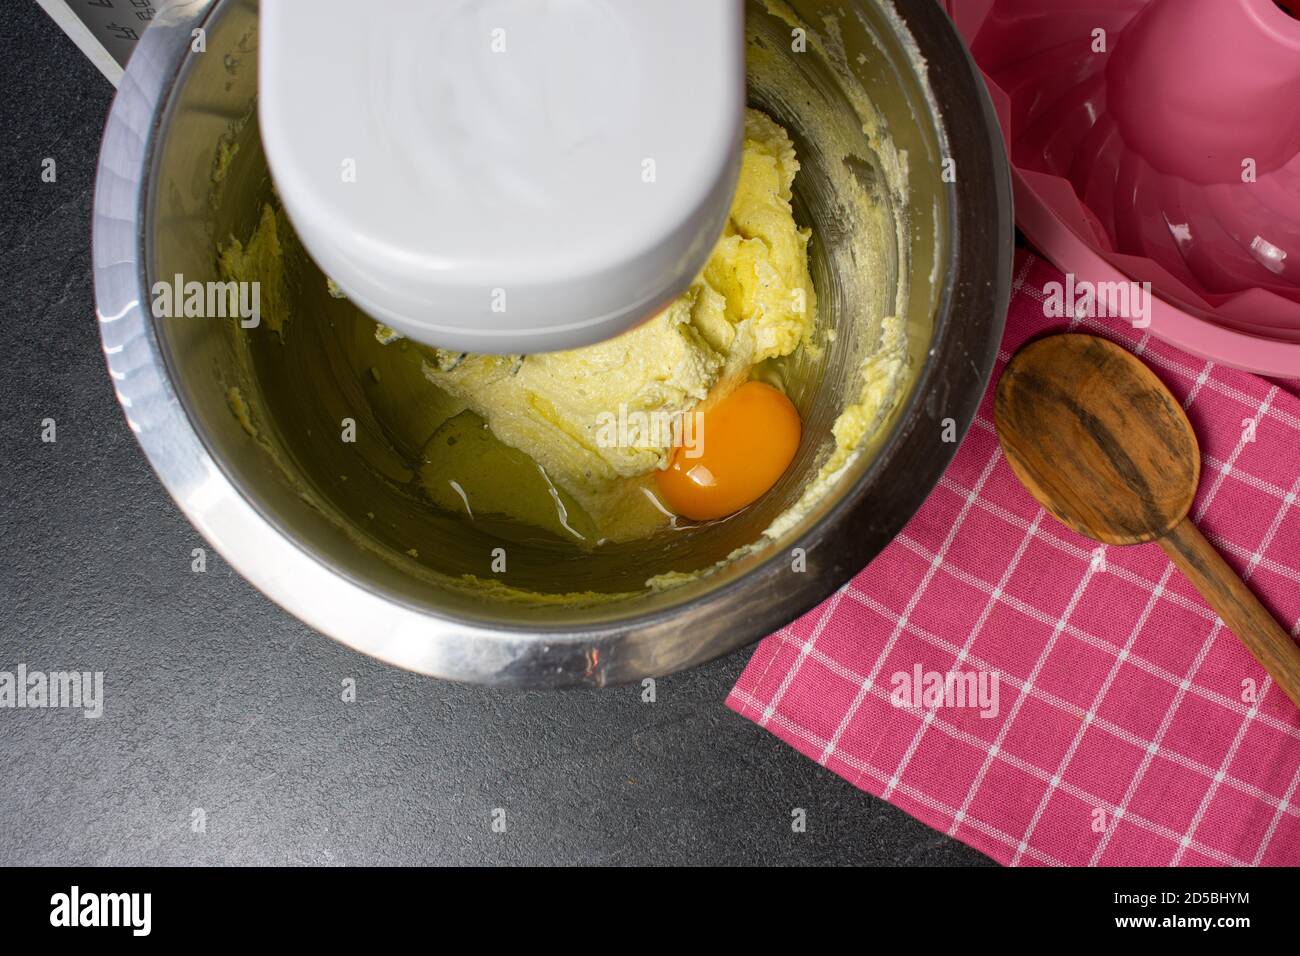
(843, 539)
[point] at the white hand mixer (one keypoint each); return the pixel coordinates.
(506, 176)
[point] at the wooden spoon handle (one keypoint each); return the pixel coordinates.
(1241, 611)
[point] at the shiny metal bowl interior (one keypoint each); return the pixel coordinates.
(289, 479)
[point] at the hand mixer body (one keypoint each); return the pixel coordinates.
(503, 175)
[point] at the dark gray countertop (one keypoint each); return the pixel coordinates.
(217, 699)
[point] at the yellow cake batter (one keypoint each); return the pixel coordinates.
(753, 301)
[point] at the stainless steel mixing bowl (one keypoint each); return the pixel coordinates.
(357, 555)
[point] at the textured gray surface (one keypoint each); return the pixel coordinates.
(217, 699)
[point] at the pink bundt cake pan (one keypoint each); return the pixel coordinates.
(1159, 141)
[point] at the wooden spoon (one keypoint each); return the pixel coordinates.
(1103, 445)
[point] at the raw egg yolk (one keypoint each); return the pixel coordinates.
(742, 445)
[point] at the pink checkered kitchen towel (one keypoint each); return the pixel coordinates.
(1121, 728)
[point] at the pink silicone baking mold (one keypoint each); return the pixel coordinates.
(1159, 141)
